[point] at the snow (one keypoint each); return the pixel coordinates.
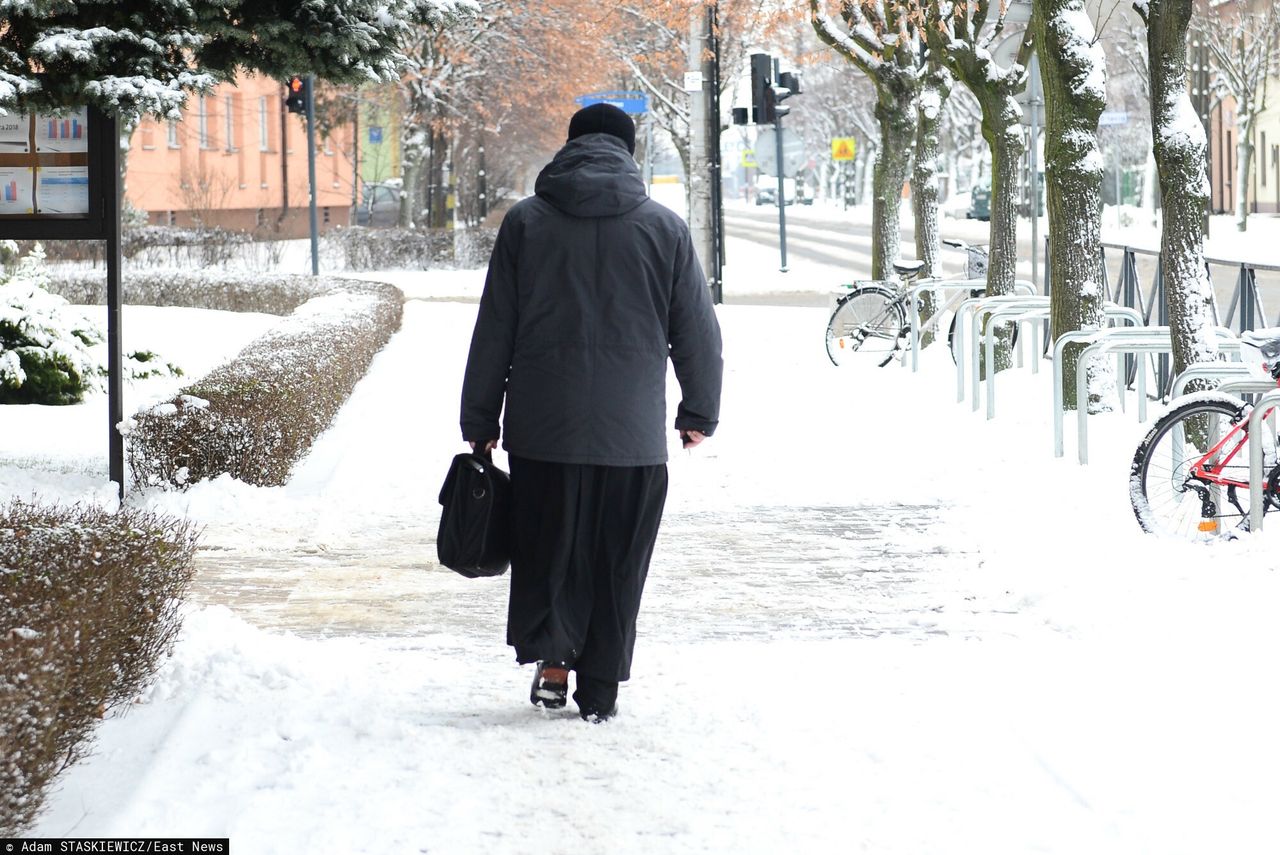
(1080, 47)
(875, 622)
(846, 645)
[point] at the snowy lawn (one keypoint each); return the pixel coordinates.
(876, 622)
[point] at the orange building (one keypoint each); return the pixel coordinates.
(238, 159)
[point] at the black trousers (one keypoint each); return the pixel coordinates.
(583, 536)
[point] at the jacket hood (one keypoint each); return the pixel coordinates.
(592, 176)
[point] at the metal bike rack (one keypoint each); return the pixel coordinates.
(933, 285)
(1059, 348)
(1209, 371)
(1227, 343)
(1266, 402)
(1031, 317)
(986, 308)
(967, 308)
(1116, 341)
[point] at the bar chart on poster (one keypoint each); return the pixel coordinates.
(16, 185)
(62, 133)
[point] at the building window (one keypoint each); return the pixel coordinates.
(326, 216)
(173, 218)
(203, 123)
(260, 219)
(173, 134)
(228, 106)
(264, 138)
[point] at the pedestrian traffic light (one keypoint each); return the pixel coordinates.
(299, 89)
(772, 109)
(761, 80)
(740, 116)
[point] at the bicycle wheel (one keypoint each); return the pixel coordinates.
(1169, 497)
(868, 322)
(951, 332)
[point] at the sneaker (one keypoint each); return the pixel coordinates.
(550, 685)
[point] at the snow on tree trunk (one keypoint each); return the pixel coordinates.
(934, 90)
(1179, 145)
(893, 163)
(1073, 71)
(1244, 161)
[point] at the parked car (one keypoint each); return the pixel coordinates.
(767, 194)
(980, 202)
(379, 206)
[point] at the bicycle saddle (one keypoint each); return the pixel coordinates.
(1267, 343)
(908, 269)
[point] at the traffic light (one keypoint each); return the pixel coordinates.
(761, 79)
(299, 89)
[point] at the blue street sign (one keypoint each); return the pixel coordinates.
(628, 102)
(375, 134)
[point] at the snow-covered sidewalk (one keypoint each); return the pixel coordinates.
(875, 623)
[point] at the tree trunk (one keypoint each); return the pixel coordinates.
(893, 162)
(1244, 160)
(935, 88)
(1179, 145)
(1073, 71)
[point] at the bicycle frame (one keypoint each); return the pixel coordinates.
(1204, 470)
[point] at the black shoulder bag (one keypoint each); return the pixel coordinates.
(475, 520)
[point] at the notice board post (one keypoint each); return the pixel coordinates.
(60, 180)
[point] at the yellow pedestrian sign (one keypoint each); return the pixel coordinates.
(748, 158)
(842, 148)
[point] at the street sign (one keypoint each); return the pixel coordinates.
(693, 81)
(1113, 117)
(749, 159)
(793, 156)
(843, 148)
(634, 103)
(375, 134)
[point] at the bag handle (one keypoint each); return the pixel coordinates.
(480, 450)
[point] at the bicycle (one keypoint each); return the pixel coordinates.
(1190, 474)
(872, 318)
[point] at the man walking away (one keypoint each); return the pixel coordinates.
(592, 286)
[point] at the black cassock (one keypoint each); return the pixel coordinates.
(583, 536)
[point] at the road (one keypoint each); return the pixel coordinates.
(813, 237)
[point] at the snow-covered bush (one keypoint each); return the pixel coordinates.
(228, 291)
(409, 249)
(257, 415)
(45, 347)
(89, 602)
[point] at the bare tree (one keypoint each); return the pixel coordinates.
(1073, 71)
(1180, 146)
(959, 36)
(1244, 50)
(879, 37)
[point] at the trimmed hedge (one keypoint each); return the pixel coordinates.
(410, 249)
(229, 291)
(89, 603)
(257, 415)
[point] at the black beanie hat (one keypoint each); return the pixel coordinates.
(604, 118)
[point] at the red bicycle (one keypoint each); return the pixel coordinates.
(1190, 475)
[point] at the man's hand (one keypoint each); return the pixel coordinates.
(489, 445)
(690, 438)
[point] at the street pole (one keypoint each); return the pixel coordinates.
(782, 199)
(1034, 101)
(311, 171)
(713, 153)
(700, 225)
(115, 349)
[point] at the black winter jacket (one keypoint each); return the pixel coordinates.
(591, 287)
